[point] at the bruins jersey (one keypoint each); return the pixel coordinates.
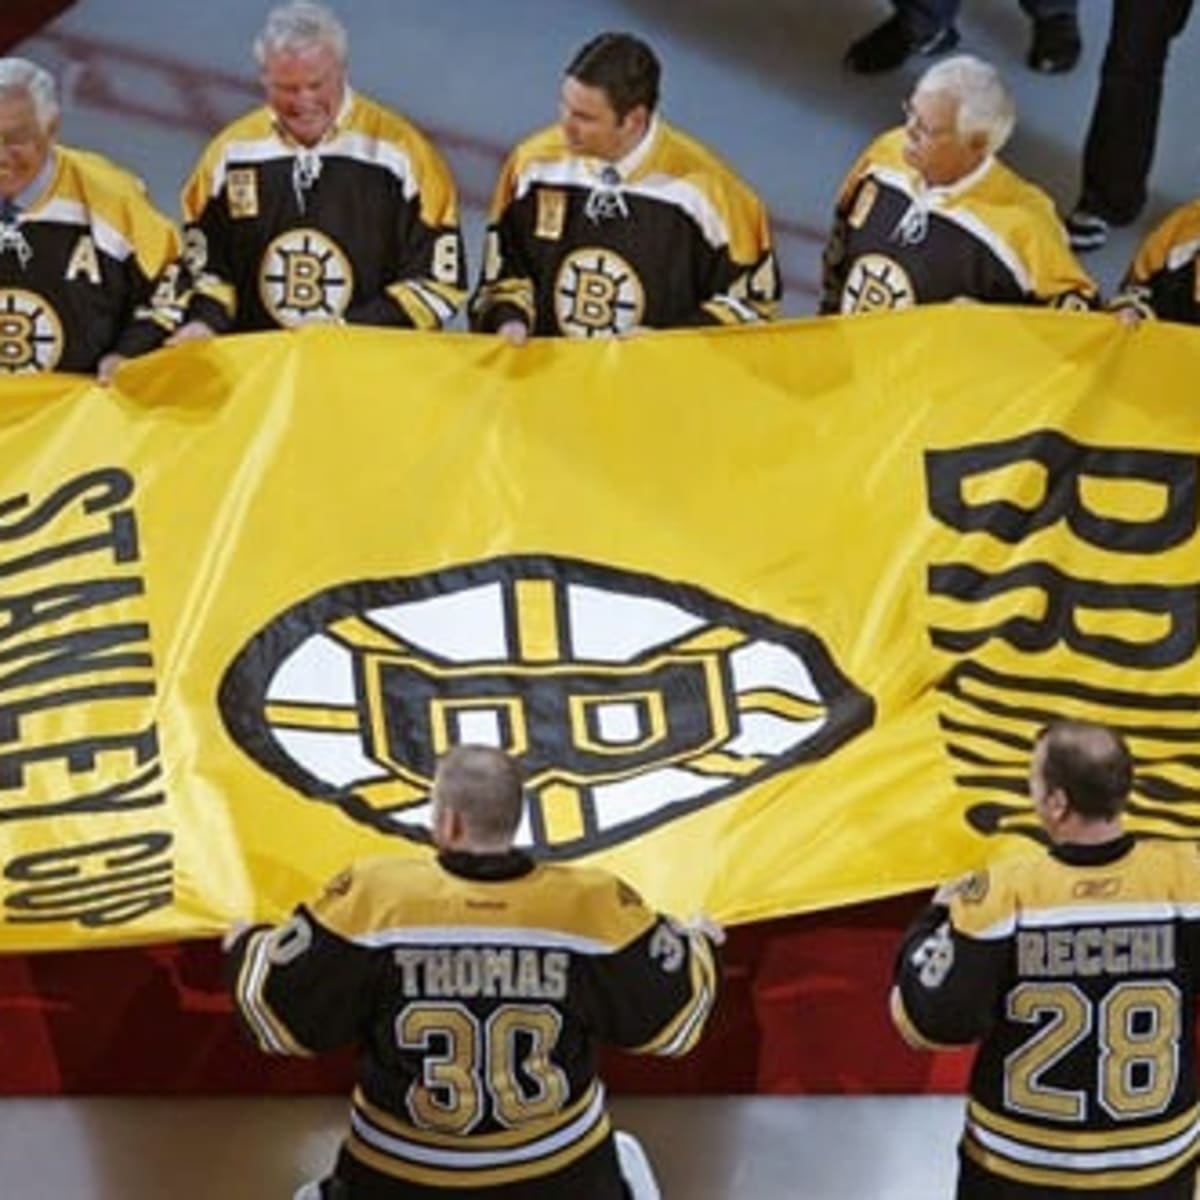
(80, 270)
(477, 987)
(992, 237)
(1164, 279)
(361, 228)
(667, 237)
(1079, 972)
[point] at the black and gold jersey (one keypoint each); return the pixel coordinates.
(477, 987)
(1164, 279)
(992, 237)
(80, 267)
(667, 237)
(361, 228)
(1078, 972)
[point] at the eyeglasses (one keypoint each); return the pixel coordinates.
(913, 122)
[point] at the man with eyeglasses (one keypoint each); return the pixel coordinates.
(81, 246)
(929, 213)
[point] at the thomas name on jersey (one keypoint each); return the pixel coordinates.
(467, 971)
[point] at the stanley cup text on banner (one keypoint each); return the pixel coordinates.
(770, 616)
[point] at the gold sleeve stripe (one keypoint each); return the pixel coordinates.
(682, 1032)
(271, 1034)
(907, 1029)
(731, 311)
(505, 1139)
(219, 291)
(418, 308)
(517, 292)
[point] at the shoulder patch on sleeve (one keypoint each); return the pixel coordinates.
(972, 888)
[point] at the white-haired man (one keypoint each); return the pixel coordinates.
(321, 206)
(478, 985)
(81, 247)
(930, 214)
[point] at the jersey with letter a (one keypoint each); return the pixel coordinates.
(477, 986)
(362, 227)
(1164, 280)
(667, 237)
(991, 237)
(1078, 970)
(78, 270)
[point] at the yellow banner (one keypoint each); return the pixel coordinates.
(771, 614)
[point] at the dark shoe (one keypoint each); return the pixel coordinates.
(1086, 231)
(1056, 44)
(886, 47)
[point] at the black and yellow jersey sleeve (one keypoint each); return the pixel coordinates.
(991, 238)
(1077, 972)
(79, 271)
(477, 989)
(674, 239)
(1164, 278)
(363, 228)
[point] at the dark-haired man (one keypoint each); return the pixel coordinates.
(612, 221)
(1077, 971)
(477, 985)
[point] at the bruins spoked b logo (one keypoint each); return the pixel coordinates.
(877, 282)
(31, 335)
(598, 294)
(630, 701)
(305, 278)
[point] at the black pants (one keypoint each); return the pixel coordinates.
(1124, 126)
(974, 1183)
(923, 18)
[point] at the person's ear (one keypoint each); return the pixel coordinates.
(637, 119)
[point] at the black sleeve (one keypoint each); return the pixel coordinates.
(654, 995)
(947, 984)
(298, 988)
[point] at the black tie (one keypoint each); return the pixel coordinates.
(9, 210)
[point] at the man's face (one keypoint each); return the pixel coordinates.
(24, 144)
(932, 144)
(590, 124)
(305, 89)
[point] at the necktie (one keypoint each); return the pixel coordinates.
(11, 235)
(605, 201)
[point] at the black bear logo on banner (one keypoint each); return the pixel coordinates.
(629, 700)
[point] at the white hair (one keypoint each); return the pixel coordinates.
(21, 77)
(298, 26)
(985, 105)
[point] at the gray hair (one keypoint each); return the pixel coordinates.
(298, 26)
(985, 105)
(484, 786)
(20, 76)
